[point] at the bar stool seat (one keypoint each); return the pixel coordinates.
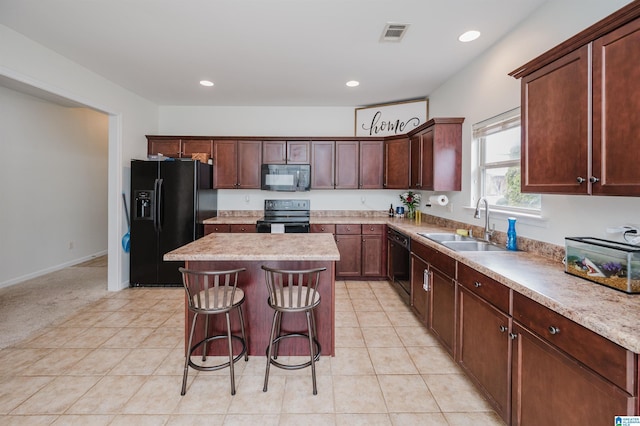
(293, 291)
(213, 293)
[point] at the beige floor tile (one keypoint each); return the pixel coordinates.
(108, 396)
(251, 419)
(356, 285)
(420, 419)
(307, 419)
(362, 419)
(395, 305)
(139, 420)
(196, 420)
(56, 362)
(86, 318)
(407, 394)
(119, 319)
(28, 420)
(351, 361)
(455, 393)
(151, 319)
(250, 399)
(175, 320)
(366, 305)
(416, 336)
(360, 292)
(206, 394)
(373, 319)
(299, 397)
(358, 396)
(346, 319)
(479, 419)
(53, 337)
(91, 338)
(141, 362)
(164, 337)
(173, 364)
(158, 395)
(57, 395)
(14, 360)
(392, 361)
(128, 337)
(100, 361)
(381, 337)
(403, 318)
(349, 337)
(15, 390)
(433, 360)
(110, 304)
(343, 305)
(82, 420)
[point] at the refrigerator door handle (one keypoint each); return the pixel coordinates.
(158, 222)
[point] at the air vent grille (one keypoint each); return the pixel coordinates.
(394, 32)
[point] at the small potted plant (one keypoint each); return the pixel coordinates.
(412, 201)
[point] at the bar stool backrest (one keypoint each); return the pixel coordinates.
(293, 289)
(211, 291)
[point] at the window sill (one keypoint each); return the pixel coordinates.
(536, 220)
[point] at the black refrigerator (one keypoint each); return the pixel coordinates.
(169, 200)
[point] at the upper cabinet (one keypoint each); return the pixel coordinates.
(436, 155)
(347, 164)
(396, 163)
(178, 147)
(371, 164)
(236, 164)
(286, 152)
(579, 108)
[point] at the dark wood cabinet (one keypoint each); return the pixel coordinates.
(436, 155)
(347, 164)
(322, 228)
(323, 164)
(162, 146)
(193, 146)
(245, 228)
(218, 228)
(286, 152)
(362, 250)
(350, 248)
(371, 164)
(396, 163)
(420, 288)
(236, 164)
(373, 250)
(579, 106)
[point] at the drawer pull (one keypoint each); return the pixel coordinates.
(503, 328)
(554, 330)
(513, 336)
(477, 284)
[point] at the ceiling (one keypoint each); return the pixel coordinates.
(267, 52)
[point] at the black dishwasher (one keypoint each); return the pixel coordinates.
(399, 259)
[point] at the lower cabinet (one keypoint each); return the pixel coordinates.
(233, 228)
(361, 250)
(420, 288)
(443, 310)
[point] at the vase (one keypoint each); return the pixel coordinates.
(411, 213)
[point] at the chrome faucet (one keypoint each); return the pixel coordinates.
(487, 232)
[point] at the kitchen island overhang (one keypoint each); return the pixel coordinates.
(221, 251)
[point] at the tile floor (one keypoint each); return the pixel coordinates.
(90, 369)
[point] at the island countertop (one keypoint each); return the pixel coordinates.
(255, 247)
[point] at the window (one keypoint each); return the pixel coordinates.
(498, 142)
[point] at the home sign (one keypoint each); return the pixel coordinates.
(391, 119)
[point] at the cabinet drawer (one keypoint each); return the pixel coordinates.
(211, 229)
(438, 260)
(244, 227)
(322, 228)
(603, 356)
(489, 289)
(372, 229)
(348, 229)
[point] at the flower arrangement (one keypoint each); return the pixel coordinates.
(411, 200)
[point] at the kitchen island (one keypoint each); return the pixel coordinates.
(251, 251)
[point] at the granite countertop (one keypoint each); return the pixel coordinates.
(255, 247)
(612, 314)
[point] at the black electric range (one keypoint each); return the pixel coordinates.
(285, 216)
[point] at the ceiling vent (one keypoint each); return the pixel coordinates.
(393, 32)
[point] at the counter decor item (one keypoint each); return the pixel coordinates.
(512, 238)
(610, 263)
(412, 201)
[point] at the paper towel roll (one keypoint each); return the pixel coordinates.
(440, 200)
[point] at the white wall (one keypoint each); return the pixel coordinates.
(53, 185)
(130, 118)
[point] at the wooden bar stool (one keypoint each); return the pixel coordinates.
(213, 293)
(293, 291)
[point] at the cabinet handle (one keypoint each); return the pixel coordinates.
(554, 330)
(580, 179)
(503, 328)
(477, 284)
(425, 280)
(594, 179)
(513, 336)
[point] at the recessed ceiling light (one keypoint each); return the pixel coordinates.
(469, 36)
(353, 83)
(206, 83)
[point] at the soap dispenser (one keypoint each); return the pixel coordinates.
(512, 238)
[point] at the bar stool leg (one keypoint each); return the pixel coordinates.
(187, 355)
(311, 351)
(276, 316)
(244, 336)
(206, 333)
(231, 369)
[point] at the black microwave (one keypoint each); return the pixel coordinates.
(286, 177)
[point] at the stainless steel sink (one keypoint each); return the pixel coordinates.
(474, 245)
(441, 237)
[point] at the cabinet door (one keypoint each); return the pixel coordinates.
(616, 103)
(416, 162)
(249, 161)
(396, 163)
(245, 228)
(190, 146)
(215, 229)
(550, 388)
(427, 160)
(225, 164)
(298, 152)
(372, 255)
(350, 248)
(347, 164)
(484, 349)
(274, 152)
(555, 124)
(443, 308)
(371, 164)
(167, 147)
(420, 288)
(322, 164)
